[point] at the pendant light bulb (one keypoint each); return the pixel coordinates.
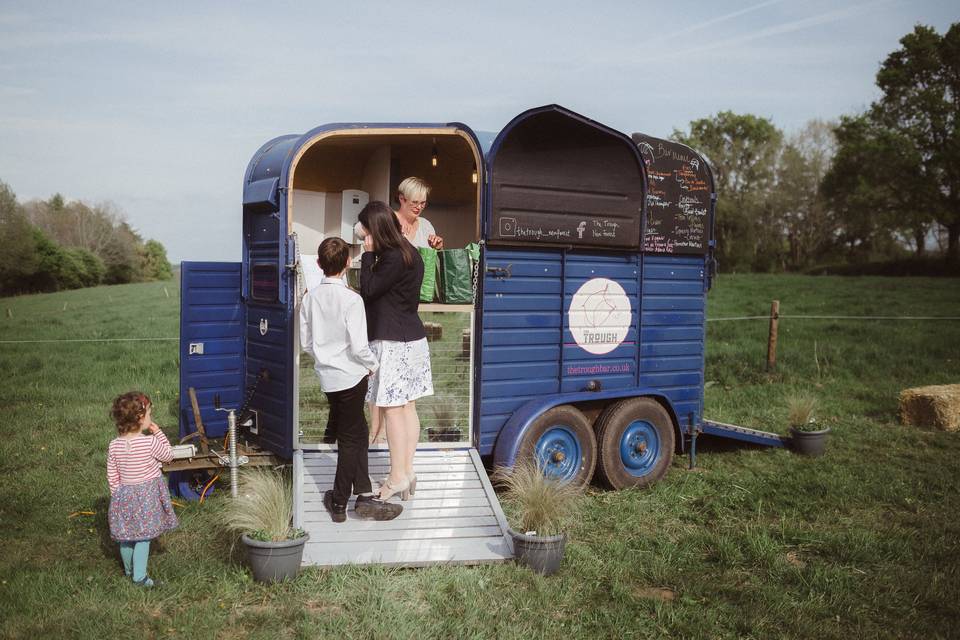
(433, 155)
(473, 177)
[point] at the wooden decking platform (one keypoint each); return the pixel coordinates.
(454, 518)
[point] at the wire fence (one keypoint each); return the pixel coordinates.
(781, 316)
(820, 317)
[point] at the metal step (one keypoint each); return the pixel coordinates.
(454, 518)
(734, 432)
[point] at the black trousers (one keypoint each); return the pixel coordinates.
(352, 432)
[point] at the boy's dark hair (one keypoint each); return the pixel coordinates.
(333, 254)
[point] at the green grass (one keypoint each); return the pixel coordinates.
(755, 543)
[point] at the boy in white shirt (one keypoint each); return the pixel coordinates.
(333, 329)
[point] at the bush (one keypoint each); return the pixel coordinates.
(153, 262)
(92, 268)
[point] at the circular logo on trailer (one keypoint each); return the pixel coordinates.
(599, 315)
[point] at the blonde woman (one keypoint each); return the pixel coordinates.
(412, 194)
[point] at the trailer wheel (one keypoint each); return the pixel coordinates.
(636, 442)
(561, 441)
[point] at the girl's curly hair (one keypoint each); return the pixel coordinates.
(128, 410)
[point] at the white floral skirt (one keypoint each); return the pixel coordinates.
(404, 372)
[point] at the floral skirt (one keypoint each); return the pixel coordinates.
(404, 372)
(141, 511)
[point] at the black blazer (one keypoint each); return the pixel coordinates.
(391, 295)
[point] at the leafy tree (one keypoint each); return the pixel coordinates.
(121, 256)
(18, 259)
(803, 211)
(742, 150)
(54, 244)
(921, 104)
(153, 262)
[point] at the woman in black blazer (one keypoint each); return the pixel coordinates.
(391, 272)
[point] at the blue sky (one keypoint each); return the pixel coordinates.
(158, 107)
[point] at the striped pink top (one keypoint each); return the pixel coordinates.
(136, 460)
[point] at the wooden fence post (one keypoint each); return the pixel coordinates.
(772, 341)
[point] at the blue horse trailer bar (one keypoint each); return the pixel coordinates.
(587, 345)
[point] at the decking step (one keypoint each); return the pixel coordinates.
(454, 517)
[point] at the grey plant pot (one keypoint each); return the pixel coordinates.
(274, 561)
(543, 554)
(809, 443)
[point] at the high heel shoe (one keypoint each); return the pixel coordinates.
(391, 489)
(412, 479)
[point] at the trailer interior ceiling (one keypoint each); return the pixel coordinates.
(375, 162)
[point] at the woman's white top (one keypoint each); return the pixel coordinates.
(424, 230)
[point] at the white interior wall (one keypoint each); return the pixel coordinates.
(454, 223)
(331, 224)
(376, 174)
(309, 218)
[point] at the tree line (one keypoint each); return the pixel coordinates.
(51, 245)
(875, 186)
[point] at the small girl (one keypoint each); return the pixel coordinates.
(140, 506)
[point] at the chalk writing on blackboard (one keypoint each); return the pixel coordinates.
(678, 197)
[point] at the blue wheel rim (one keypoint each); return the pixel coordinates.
(558, 452)
(639, 448)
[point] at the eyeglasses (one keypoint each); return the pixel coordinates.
(416, 204)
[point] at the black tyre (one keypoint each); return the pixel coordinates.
(636, 441)
(562, 442)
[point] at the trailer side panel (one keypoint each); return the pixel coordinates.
(672, 328)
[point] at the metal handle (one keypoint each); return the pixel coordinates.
(501, 272)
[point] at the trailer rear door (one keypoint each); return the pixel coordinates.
(211, 342)
(558, 178)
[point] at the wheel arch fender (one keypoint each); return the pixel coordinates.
(508, 441)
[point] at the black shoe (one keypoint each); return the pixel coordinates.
(373, 508)
(338, 512)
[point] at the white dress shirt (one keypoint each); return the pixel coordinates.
(333, 329)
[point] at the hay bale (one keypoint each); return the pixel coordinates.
(936, 406)
(434, 331)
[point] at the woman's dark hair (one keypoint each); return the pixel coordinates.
(380, 221)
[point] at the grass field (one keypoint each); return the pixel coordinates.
(755, 543)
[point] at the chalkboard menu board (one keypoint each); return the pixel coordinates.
(560, 179)
(679, 188)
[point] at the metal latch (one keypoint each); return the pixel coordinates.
(501, 272)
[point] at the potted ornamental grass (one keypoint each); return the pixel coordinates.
(262, 513)
(540, 509)
(445, 421)
(807, 436)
